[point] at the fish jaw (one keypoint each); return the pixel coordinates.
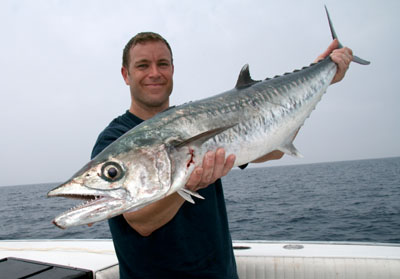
(93, 211)
(99, 204)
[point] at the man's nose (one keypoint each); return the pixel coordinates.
(154, 71)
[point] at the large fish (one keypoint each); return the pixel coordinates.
(156, 158)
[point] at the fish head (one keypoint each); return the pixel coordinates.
(115, 183)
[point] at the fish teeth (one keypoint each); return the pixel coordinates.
(85, 203)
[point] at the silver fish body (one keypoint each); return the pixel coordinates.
(156, 158)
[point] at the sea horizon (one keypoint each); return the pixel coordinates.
(254, 165)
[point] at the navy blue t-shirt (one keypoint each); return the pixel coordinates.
(196, 243)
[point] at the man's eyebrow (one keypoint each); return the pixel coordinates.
(144, 60)
(163, 60)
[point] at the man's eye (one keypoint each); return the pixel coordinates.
(142, 66)
(163, 65)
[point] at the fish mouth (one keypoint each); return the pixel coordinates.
(89, 200)
(80, 197)
(93, 205)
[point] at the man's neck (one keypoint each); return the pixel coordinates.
(146, 113)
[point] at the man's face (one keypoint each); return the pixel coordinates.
(149, 75)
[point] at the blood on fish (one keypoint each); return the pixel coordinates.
(191, 161)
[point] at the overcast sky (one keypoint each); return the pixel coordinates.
(60, 80)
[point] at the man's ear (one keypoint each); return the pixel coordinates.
(125, 74)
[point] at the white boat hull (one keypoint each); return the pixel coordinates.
(255, 259)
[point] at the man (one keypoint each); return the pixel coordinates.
(172, 238)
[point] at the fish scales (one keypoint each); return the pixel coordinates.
(156, 158)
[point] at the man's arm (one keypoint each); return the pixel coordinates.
(153, 216)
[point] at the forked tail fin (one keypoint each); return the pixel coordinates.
(356, 59)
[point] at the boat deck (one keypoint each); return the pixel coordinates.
(255, 259)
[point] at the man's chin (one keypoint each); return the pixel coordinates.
(158, 101)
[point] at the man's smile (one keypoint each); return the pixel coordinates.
(155, 85)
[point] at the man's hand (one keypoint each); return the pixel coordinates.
(214, 166)
(342, 57)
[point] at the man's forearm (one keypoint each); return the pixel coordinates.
(153, 216)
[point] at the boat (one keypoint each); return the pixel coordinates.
(95, 258)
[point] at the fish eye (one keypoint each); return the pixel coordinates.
(111, 171)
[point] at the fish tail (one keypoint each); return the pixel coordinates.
(356, 59)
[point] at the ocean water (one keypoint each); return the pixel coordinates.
(340, 201)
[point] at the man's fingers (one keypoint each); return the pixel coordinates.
(342, 57)
(219, 164)
(208, 168)
(194, 179)
(230, 161)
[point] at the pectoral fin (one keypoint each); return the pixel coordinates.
(203, 137)
(195, 194)
(187, 195)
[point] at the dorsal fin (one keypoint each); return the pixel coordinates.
(244, 78)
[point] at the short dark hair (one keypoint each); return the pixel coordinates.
(142, 38)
